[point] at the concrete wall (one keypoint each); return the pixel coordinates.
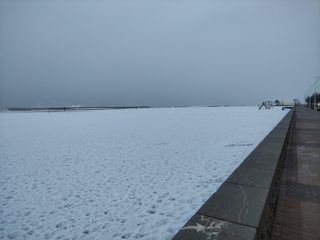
(244, 205)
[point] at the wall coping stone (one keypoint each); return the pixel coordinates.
(243, 206)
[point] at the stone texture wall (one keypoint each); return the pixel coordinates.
(244, 205)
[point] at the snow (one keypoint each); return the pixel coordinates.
(118, 174)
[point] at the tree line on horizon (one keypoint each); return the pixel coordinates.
(312, 100)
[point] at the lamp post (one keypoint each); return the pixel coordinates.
(309, 98)
(315, 92)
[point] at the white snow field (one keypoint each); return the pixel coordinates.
(118, 174)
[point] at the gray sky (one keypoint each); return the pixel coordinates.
(156, 52)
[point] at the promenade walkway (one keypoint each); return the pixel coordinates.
(298, 210)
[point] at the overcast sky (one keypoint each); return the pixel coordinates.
(157, 52)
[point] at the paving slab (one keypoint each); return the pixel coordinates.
(297, 213)
(280, 129)
(271, 145)
(258, 178)
(243, 206)
(262, 159)
(201, 227)
(235, 203)
(278, 138)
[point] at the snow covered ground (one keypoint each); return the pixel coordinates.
(118, 174)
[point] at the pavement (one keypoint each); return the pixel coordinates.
(298, 210)
(274, 194)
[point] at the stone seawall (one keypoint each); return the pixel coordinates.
(243, 207)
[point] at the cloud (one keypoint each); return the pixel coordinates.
(156, 53)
